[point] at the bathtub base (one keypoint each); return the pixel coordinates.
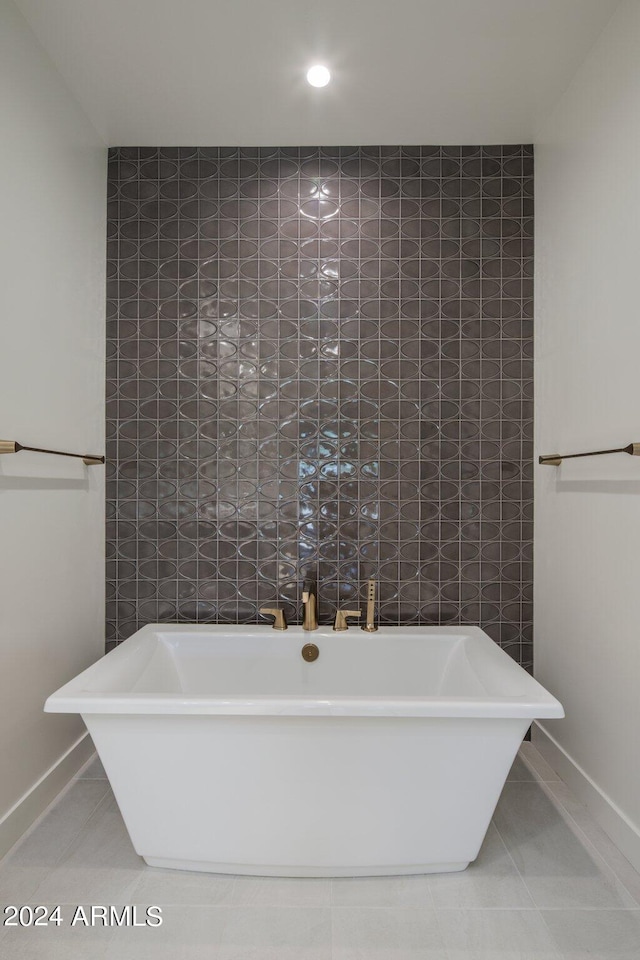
(265, 870)
(306, 797)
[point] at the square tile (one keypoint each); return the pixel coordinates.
(546, 847)
(52, 942)
(493, 934)
(281, 892)
(170, 887)
(382, 892)
(186, 933)
(595, 836)
(605, 934)
(276, 933)
(362, 933)
(36, 855)
(98, 866)
(491, 881)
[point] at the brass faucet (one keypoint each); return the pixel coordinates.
(277, 612)
(310, 621)
(340, 623)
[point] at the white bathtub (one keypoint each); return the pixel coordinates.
(228, 752)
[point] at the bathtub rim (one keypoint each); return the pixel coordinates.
(73, 697)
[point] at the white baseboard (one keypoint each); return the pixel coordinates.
(35, 801)
(624, 833)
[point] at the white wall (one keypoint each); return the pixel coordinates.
(52, 197)
(587, 526)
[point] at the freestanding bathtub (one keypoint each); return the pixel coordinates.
(228, 752)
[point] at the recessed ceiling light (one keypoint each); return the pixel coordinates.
(318, 75)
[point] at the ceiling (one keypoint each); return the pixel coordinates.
(231, 72)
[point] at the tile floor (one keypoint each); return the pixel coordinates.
(548, 885)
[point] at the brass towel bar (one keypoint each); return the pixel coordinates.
(12, 446)
(555, 459)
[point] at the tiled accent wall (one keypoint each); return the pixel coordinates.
(321, 363)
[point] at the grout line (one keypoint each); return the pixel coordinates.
(228, 905)
(331, 927)
(85, 765)
(581, 836)
(447, 954)
(102, 802)
(612, 850)
(562, 955)
(515, 865)
(54, 803)
(587, 842)
(530, 764)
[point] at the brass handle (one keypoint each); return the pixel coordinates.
(279, 622)
(340, 623)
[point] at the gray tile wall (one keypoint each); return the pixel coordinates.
(321, 362)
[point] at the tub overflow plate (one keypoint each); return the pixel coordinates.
(310, 652)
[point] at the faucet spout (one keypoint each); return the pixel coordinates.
(310, 620)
